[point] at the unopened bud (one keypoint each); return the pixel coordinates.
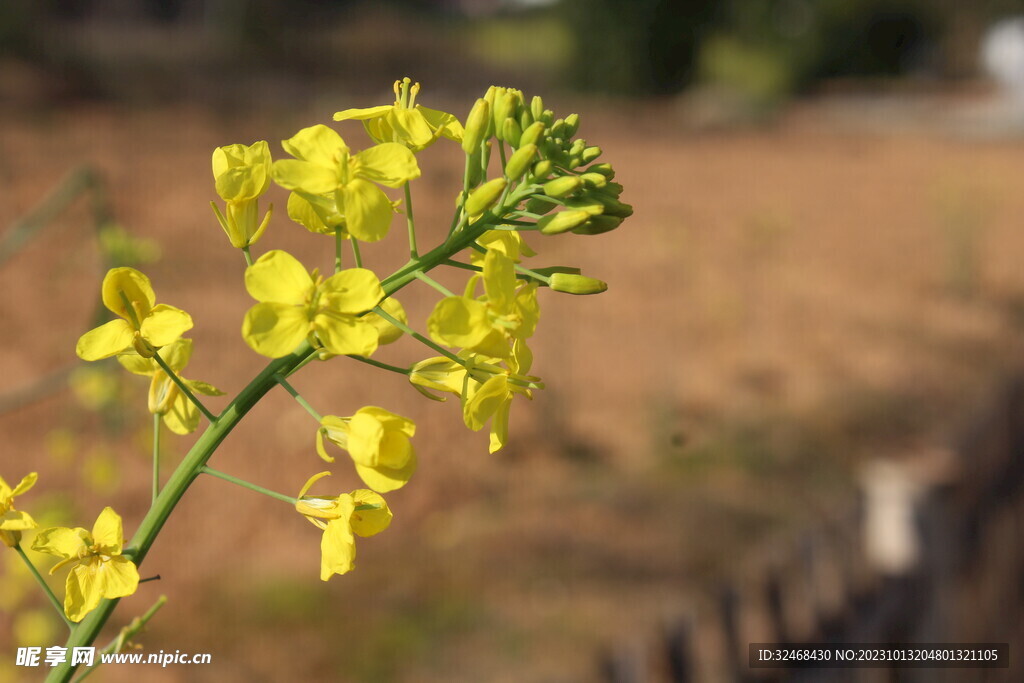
(598, 225)
(525, 118)
(476, 167)
(590, 154)
(476, 126)
(563, 221)
(512, 132)
(542, 169)
(613, 207)
(537, 107)
(485, 196)
(519, 162)
(547, 117)
(604, 169)
(531, 134)
(11, 539)
(576, 284)
(594, 179)
(562, 187)
(590, 205)
(578, 146)
(572, 124)
(504, 106)
(558, 129)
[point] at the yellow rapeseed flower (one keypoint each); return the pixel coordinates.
(165, 398)
(377, 440)
(413, 125)
(99, 569)
(488, 324)
(242, 175)
(296, 304)
(13, 522)
(360, 512)
(323, 165)
(144, 325)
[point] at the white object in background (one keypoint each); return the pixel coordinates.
(1002, 55)
(891, 537)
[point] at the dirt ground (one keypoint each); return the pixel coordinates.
(788, 301)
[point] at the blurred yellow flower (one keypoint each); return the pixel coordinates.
(13, 522)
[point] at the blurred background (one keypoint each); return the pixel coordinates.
(795, 415)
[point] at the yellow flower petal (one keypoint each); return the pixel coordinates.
(499, 427)
(134, 286)
(368, 211)
(165, 324)
(485, 402)
(137, 365)
(389, 164)
(107, 533)
(182, 417)
(363, 114)
(109, 339)
(60, 541)
(303, 212)
(293, 174)
(118, 577)
(337, 547)
(499, 282)
(386, 479)
(353, 290)
(345, 335)
(278, 277)
(16, 520)
(240, 171)
(83, 592)
(27, 482)
(447, 123)
(458, 321)
(177, 354)
(387, 332)
(274, 329)
(411, 128)
(369, 522)
(317, 144)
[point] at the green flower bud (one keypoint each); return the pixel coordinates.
(572, 124)
(577, 147)
(512, 132)
(519, 162)
(613, 207)
(476, 167)
(563, 221)
(614, 189)
(485, 196)
(597, 225)
(476, 126)
(504, 107)
(547, 117)
(594, 179)
(542, 169)
(562, 187)
(604, 169)
(525, 118)
(541, 207)
(576, 284)
(531, 134)
(537, 107)
(558, 129)
(590, 154)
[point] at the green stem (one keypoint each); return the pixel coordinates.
(184, 388)
(156, 458)
(247, 484)
(337, 249)
(434, 283)
(355, 252)
(417, 336)
(298, 397)
(378, 364)
(45, 586)
(410, 222)
(247, 255)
